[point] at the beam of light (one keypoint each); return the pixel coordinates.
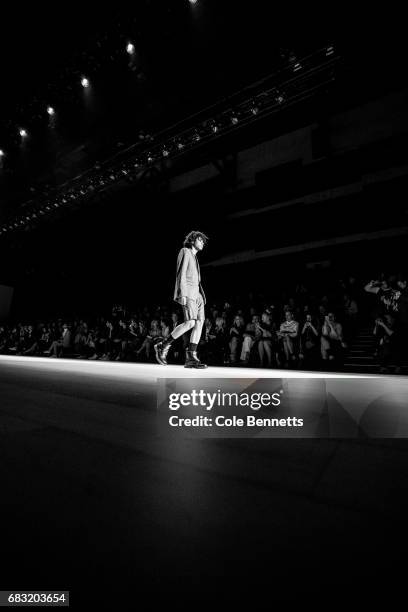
(50, 111)
(130, 48)
(84, 82)
(23, 133)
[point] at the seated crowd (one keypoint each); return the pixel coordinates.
(301, 329)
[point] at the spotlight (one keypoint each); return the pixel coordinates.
(130, 48)
(84, 82)
(50, 111)
(214, 127)
(193, 1)
(279, 97)
(22, 133)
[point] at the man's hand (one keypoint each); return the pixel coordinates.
(183, 301)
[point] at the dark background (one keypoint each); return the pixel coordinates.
(121, 245)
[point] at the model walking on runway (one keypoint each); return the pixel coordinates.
(189, 293)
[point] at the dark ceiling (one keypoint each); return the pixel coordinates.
(187, 56)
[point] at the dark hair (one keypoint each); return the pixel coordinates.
(190, 239)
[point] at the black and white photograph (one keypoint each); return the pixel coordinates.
(203, 305)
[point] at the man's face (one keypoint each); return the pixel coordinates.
(199, 243)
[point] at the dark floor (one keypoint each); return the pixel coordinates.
(93, 501)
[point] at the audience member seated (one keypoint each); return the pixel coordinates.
(62, 346)
(288, 334)
(387, 338)
(217, 342)
(332, 343)
(251, 336)
(236, 337)
(150, 340)
(267, 341)
(309, 343)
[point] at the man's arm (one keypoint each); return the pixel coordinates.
(294, 333)
(182, 262)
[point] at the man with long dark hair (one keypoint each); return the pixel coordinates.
(189, 293)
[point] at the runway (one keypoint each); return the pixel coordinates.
(92, 498)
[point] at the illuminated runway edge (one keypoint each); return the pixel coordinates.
(87, 484)
(151, 372)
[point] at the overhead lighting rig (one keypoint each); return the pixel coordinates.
(262, 99)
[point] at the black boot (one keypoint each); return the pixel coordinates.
(192, 361)
(161, 349)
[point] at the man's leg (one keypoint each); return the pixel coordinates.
(192, 361)
(182, 329)
(162, 348)
(196, 332)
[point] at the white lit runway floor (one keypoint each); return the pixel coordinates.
(89, 487)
